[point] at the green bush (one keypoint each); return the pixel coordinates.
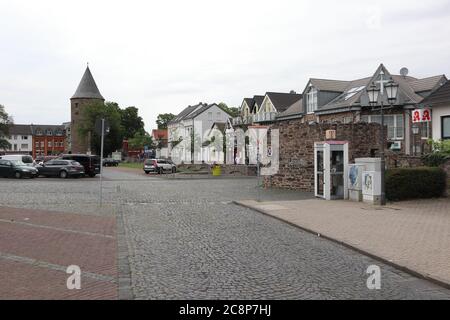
(439, 155)
(415, 183)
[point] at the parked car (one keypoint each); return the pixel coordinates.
(159, 166)
(43, 159)
(16, 169)
(90, 163)
(20, 157)
(61, 168)
(110, 162)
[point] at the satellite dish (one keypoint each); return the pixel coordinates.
(404, 72)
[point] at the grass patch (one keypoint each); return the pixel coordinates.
(131, 165)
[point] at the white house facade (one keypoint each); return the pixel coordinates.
(189, 130)
(21, 139)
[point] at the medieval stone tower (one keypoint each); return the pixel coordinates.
(86, 93)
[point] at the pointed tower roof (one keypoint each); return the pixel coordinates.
(87, 89)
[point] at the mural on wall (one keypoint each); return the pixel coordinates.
(368, 182)
(355, 177)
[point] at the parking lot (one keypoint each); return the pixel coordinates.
(166, 238)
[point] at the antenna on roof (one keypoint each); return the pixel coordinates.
(404, 72)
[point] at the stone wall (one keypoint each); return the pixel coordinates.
(297, 149)
(399, 160)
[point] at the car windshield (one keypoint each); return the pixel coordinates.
(27, 159)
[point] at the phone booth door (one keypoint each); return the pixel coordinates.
(319, 172)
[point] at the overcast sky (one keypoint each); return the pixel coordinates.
(162, 56)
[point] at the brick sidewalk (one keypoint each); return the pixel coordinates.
(36, 247)
(412, 234)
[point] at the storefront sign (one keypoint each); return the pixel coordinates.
(421, 115)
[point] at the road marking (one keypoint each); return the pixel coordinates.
(54, 267)
(57, 229)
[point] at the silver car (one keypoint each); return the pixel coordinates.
(159, 166)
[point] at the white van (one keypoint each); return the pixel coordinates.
(24, 158)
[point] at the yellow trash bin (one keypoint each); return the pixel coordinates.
(217, 171)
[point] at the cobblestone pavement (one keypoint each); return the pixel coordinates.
(187, 240)
(410, 234)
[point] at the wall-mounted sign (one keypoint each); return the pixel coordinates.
(421, 115)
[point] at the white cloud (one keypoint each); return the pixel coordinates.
(164, 55)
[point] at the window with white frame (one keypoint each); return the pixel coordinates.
(445, 127)
(394, 123)
(311, 100)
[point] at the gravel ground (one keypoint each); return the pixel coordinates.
(187, 240)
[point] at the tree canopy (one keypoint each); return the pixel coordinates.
(5, 122)
(232, 111)
(140, 140)
(163, 120)
(131, 122)
(112, 113)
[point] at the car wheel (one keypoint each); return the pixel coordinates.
(63, 174)
(147, 172)
(91, 175)
(18, 175)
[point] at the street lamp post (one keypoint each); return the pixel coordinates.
(374, 94)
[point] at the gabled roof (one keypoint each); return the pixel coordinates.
(20, 129)
(192, 112)
(427, 84)
(44, 128)
(329, 85)
(250, 103)
(409, 88)
(439, 96)
(87, 89)
(160, 134)
(258, 100)
(295, 109)
(282, 101)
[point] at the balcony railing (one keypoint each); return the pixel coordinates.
(265, 117)
(242, 120)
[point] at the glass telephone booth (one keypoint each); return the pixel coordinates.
(330, 169)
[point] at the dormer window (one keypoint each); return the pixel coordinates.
(48, 132)
(311, 100)
(38, 132)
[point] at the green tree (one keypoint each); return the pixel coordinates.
(111, 112)
(232, 111)
(140, 140)
(163, 120)
(131, 122)
(5, 122)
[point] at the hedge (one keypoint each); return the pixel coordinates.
(415, 183)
